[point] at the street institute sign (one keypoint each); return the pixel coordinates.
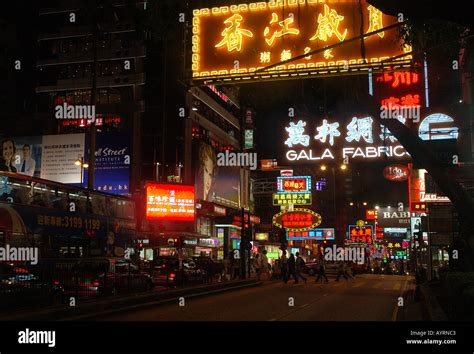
(231, 43)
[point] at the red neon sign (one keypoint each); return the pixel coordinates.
(371, 214)
(169, 202)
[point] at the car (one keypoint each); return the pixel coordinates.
(20, 286)
(172, 271)
(96, 276)
(210, 267)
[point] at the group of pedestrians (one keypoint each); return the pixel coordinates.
(292, 267)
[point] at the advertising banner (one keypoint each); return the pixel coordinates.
(217, 184)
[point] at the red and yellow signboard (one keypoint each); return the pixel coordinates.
(297, 219)
(235, 41)
(371, 214)
(169, 202)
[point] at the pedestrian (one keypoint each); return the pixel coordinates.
(258, 265)
(300, 265)
(292, 268)
(284, 266)
(227, 267)
(264, 266)
(341, 270)
(322, 270)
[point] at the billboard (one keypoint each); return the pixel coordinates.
(360, 234)
(217, 184)
(49, 156)
(232, 42)
(112, 163)
(172, 202)
(52, 157)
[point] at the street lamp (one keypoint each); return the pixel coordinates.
(365, 203)
(323, 167)
(80, 162)
(343, 167)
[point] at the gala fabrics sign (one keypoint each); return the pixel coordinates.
(169, 202)
(332, 139)
(234, 41)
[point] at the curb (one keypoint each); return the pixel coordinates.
(112, 305)
(431, 304)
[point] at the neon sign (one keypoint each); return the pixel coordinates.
(360, 235)
(311, 234)
(294, 184)
(169, 202)
(360, 134)
(292, 198)
(297, 219)
(234, 41)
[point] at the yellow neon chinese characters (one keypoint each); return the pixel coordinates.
(233, 34)
(285, 29)
(375, 20)
(265, 57)
(285, 55)
(328, 54)
(328, 24)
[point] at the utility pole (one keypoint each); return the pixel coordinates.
(93, 130)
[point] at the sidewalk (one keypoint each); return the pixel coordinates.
(88, 309)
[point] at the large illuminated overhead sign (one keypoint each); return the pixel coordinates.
(231, 43)
(292, 198)
(334, 139)
(360, 235)
(437, 126)
(169, 202)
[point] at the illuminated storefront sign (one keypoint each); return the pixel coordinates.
(360, 235)
(261, 236)
(417, 191)
(169, 202)
(436, 127)
(330, 139)
(297, 219)
(311, 234)
(230, 42)
(294, 184)
(371, 214)
(292, 198)
(396, 173)
(399, 232)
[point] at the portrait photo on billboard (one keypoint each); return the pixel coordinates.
(21, 155)
(217, 184)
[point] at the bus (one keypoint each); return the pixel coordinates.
(64, 221)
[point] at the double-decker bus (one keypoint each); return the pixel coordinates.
(62, 220)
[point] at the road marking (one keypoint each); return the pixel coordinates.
(395, 310)
(272, 319)
(304, 305)
(397, 286)
(359, 284)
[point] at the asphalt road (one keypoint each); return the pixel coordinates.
(366, 298)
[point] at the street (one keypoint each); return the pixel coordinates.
(366, 298)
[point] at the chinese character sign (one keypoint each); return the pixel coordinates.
(297, 219)
(343, 135)
(360, 235)
(169, 202)
(236, 40)
(294, 184)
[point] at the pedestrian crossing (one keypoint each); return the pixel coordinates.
(357, 283)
